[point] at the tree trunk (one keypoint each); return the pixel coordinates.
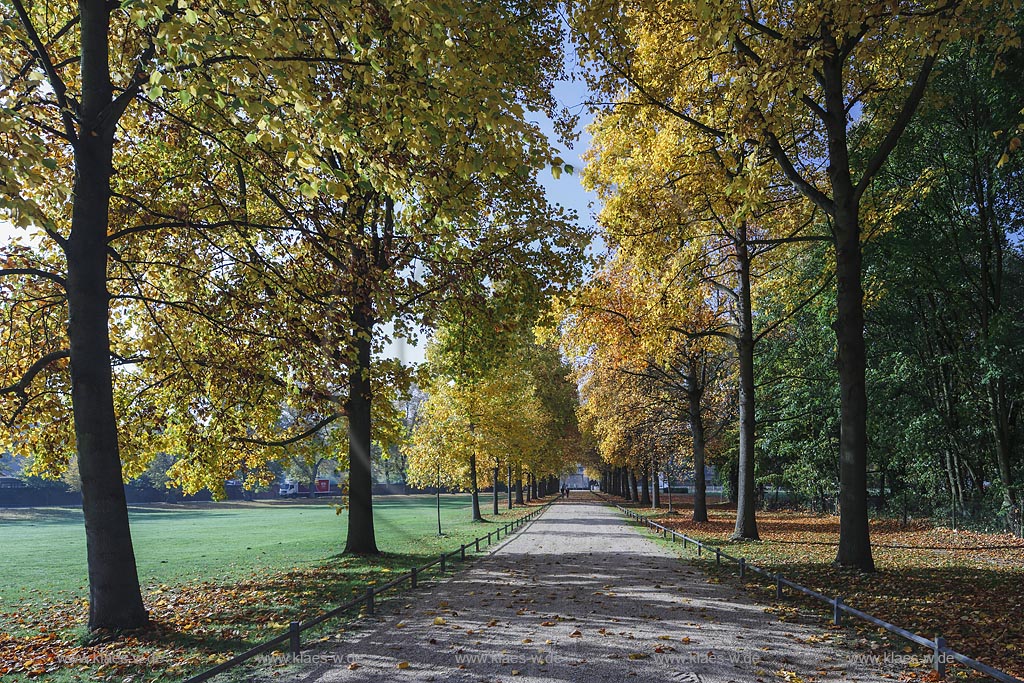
(313, 477)
(854, 534)
(733, 484)
(990, 278)
(509, 486)
(115, 601)
(496, 474)
(746, 521)
(700, 485)
(655, 485)
(999, 416)
(951, 474)
(474, 487)
(519, 489)
(958, 466)
(645, 487)
(533, 486)
(361, 538)
(633, 492)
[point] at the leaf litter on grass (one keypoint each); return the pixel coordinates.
(966, 586)
(193, 626)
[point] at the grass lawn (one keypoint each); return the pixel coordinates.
(965, 586)
(217, 578)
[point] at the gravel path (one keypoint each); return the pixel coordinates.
(578, 595)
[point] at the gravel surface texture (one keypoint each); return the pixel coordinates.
(581, 595)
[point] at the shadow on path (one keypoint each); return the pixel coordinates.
(579, 595)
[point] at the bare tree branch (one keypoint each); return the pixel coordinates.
(298, 437)
(38, 272)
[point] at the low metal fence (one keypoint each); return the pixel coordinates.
(367, 601)
(941, 654)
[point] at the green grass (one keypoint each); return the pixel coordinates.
(44, 548)
(217, 578)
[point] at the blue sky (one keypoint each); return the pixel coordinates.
(567, 190)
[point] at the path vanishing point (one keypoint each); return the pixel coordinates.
(581, 595)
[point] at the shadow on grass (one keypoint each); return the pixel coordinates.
(196, 624)
(43, 515)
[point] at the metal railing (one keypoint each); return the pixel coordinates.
(366, 601)
(941, 654)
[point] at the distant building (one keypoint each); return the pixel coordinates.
(576, 480)
(688, 480)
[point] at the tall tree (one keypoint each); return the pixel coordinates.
(792, 78)
(276, 80)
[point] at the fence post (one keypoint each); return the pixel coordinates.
(369, 601)
(718, 556)
(778, 585)
(462, 552)
(414, 572)
(294, 645)
(488, 538)
(700, 548)
(940, 657)
(476, 541)
(837, 611)
(743, 567)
